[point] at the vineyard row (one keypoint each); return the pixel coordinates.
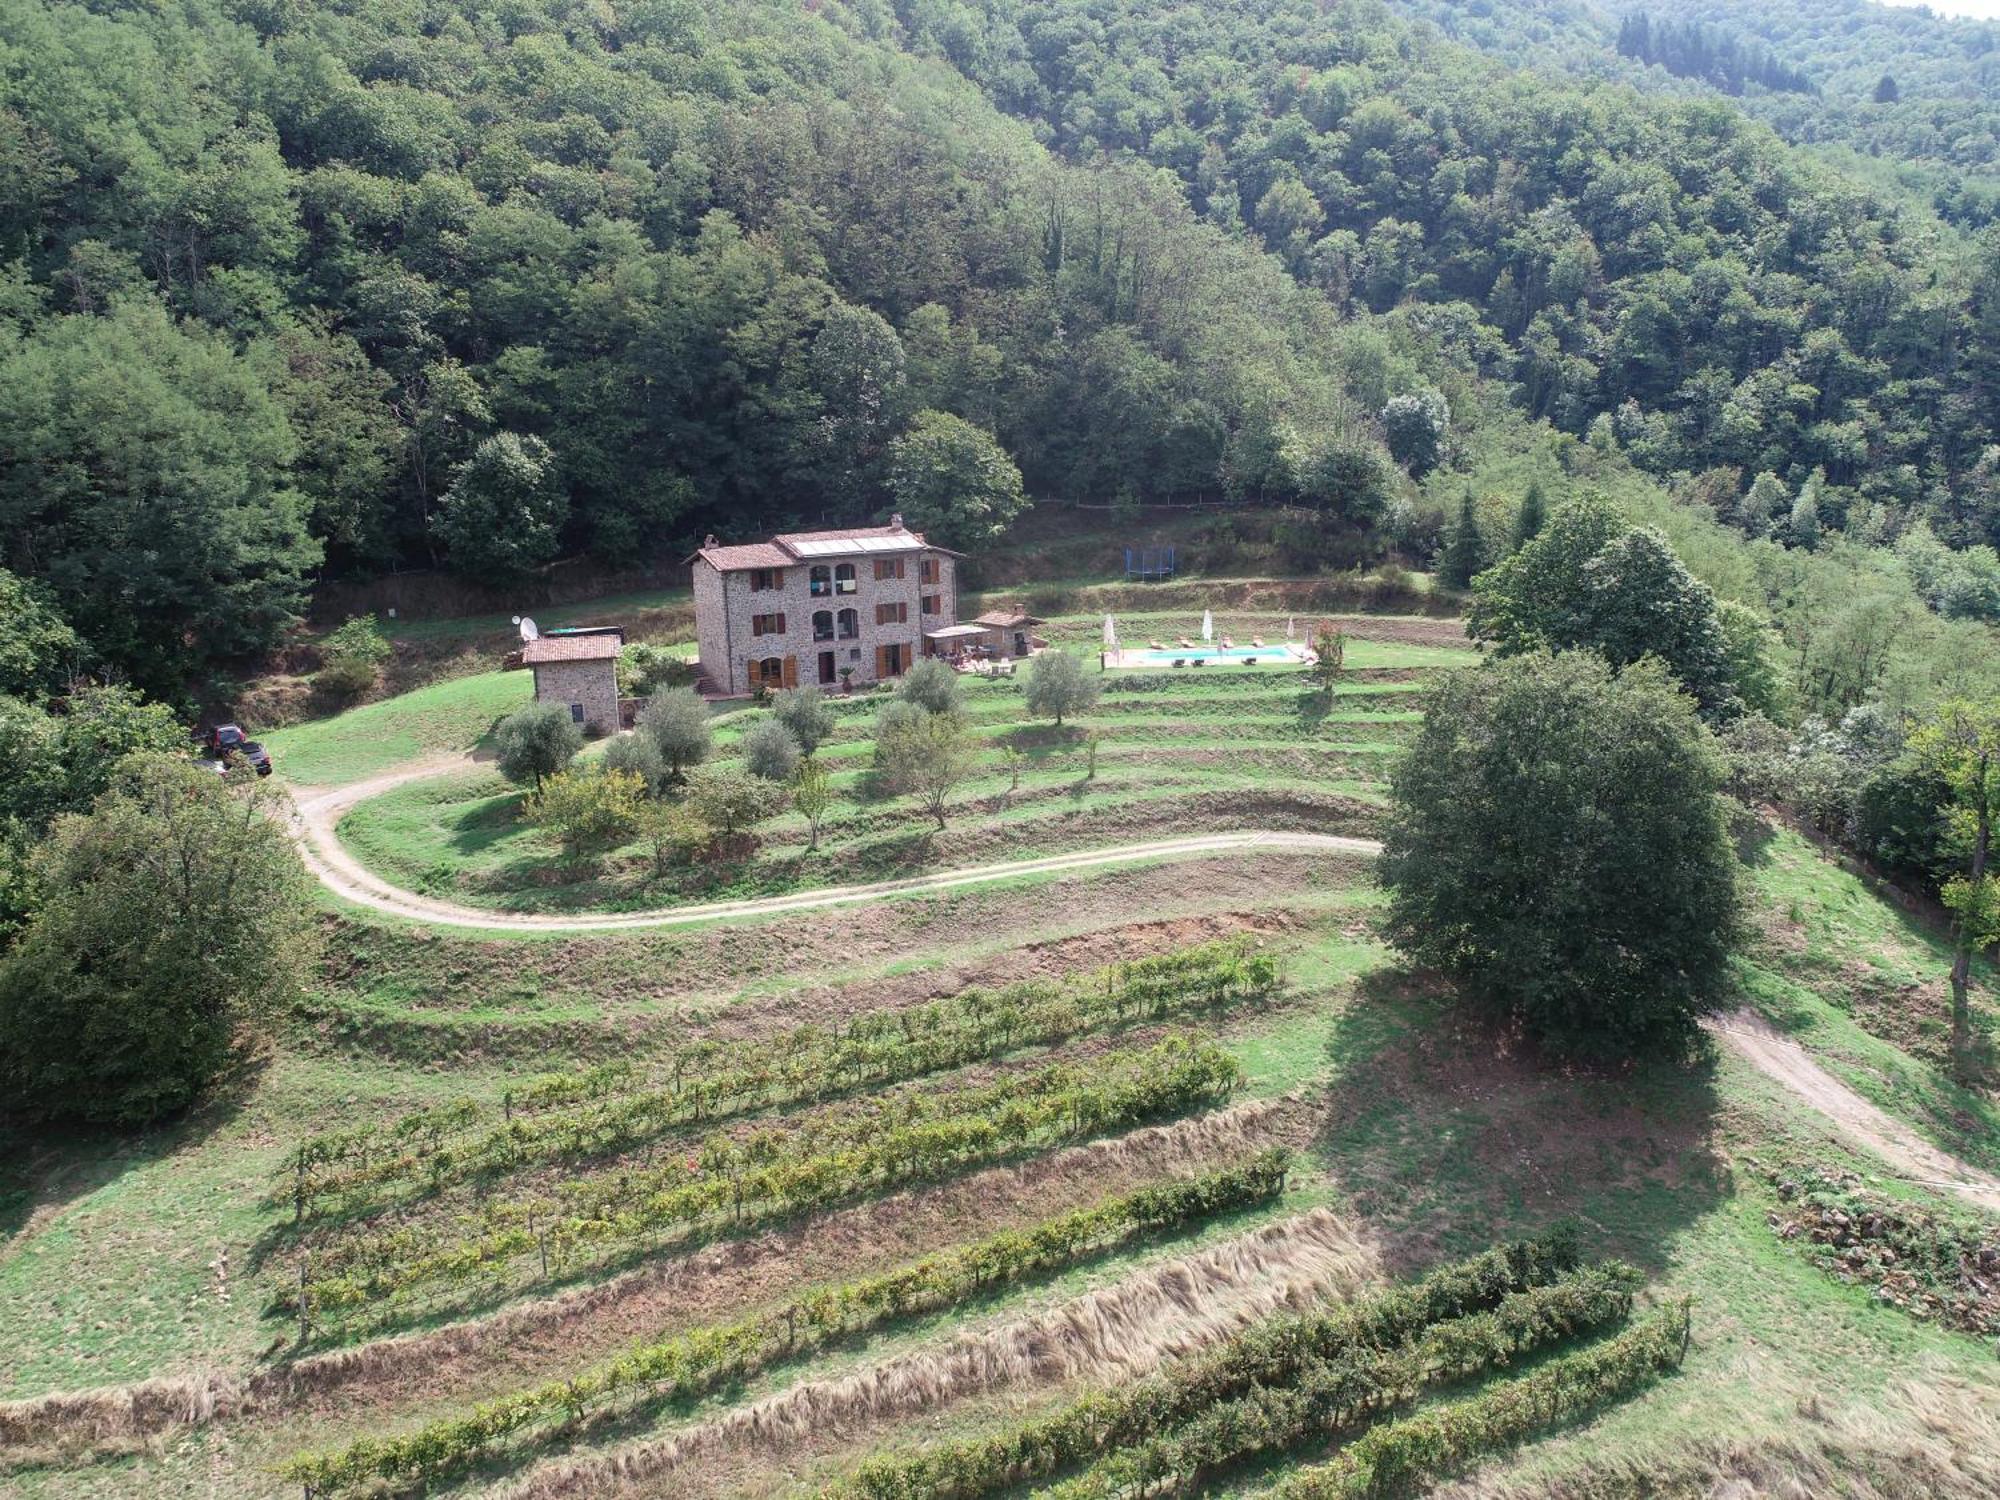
(1399, 1457)
(691, 1363)
(567, 1116)
(1274, 1352)
(783, 1171)
(1338, 1396)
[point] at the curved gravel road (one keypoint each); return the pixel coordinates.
(318, 813)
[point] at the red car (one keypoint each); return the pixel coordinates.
(226, 744)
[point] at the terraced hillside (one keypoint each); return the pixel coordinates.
(1154, 1178)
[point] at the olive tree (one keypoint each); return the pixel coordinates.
(730, 800)
(676, 720)
(536, 742)
(1557, 846)
(1058, 686)
(803, 711)
(770, 751)
(931, 685)
(928, 756)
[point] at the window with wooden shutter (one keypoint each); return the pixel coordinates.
(930, 604)
(929, 570)
(888, 567)
(767, 624)
(791, 671)
(892, 614)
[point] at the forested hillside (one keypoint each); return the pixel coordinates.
(294, 292)
(1918, 93)
(1724, 299)
(288, 268)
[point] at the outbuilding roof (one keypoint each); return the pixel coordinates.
(599, 645)
(1006, 619)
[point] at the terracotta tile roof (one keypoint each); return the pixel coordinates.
(1006, 619)
(548, 648)
(749, 555)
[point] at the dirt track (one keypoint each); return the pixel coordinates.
(319, 814)
(1771, 1053)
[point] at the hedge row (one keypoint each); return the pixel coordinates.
(691, 1363)
(1398, 1457)
(567, 1116)
(782, 1170)
(1274, 1352)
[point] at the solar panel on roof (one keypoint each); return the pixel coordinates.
(830, 547)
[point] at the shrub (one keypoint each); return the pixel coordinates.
(1058, 685)
(640, 755)
(770, 751)
(729, 799)
(676, 834)
(803, 711)
(536, 742)
(676, 720)
(352, 657)
(931, 685)
(643, 670)
(588, 812)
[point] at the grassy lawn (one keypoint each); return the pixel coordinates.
(447, 716)
(1176, 752)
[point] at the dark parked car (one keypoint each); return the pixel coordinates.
(227, 744)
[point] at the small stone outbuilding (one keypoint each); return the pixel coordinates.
(578, 669)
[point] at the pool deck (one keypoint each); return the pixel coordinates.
(1275, 653)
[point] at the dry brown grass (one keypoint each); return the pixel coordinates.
(1929, 1441)
(1117, 1333)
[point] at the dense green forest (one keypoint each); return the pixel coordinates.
(1933, 126)
(298, 291)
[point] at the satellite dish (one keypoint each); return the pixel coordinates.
(530, 631)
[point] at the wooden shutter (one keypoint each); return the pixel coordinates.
(881, 663)
(791, 677)
(780, 630)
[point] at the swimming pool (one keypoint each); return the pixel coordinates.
(1279, 654)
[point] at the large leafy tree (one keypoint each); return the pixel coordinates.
(38, 650)
(165, 918)
(501, 520)
(1556, 845)
(143, 480)
(1589, 579)
(1960, 748)
(953, 482)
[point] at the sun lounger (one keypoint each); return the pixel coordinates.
(1249, 661)
(1199, 660)
(1156, 645)
(1180, 661)
(1185, 644)
(1228, 644)
(1257, 641)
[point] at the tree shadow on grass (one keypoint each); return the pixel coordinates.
(1448, 1132)
(45, 1168)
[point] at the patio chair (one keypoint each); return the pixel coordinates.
(1180, 661)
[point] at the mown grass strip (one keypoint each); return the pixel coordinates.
(909, 1138)
(692, 1363)
(1274, 1352)
(1400, 1457)
(567, 1116)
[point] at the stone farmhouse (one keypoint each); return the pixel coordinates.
(578, 670)
(809, 606)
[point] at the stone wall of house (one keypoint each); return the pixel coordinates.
(594, 684)
(726, 608)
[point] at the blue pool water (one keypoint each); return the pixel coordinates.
(1278, 653)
